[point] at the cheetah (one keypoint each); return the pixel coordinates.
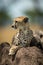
(24, 34)
(24, 37)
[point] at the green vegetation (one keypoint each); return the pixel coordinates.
(4, 18)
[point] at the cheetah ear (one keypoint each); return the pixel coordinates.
(25, 20)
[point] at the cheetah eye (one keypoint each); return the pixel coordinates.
(16, 21)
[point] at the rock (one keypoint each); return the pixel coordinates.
(5, 59)
(7, 62)
(29, 56)
(4, 44)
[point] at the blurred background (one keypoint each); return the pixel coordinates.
(10, 9)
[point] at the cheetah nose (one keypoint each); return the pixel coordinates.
(41, 36)
(12, 26)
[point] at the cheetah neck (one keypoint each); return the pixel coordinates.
(23, 29)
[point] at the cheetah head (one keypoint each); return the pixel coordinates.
(20, 22)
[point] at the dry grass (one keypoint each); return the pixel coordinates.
(7, 33)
